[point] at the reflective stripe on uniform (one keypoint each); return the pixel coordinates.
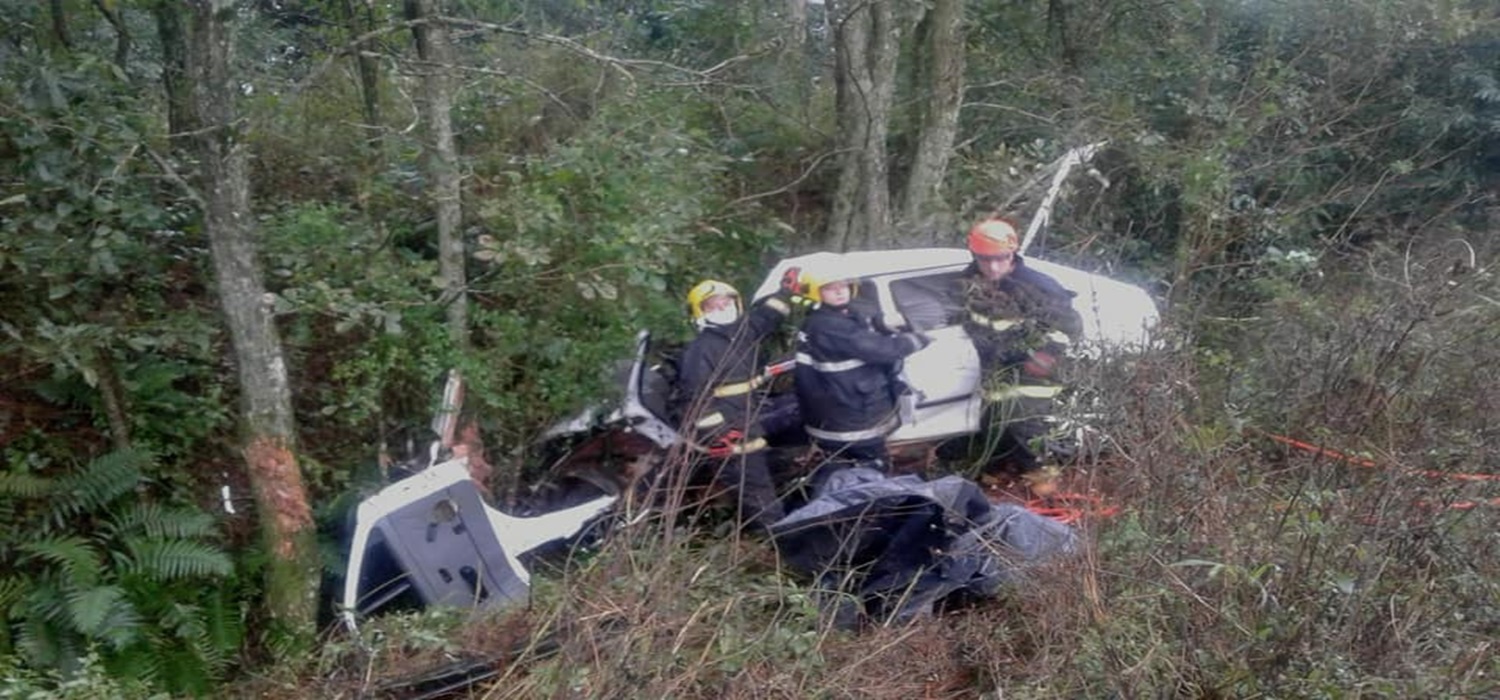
(1059, 337)
(778, 305)
(1024, 391)
(724, 391)
(880, 430)
(999, 324)
(840, 366)
(712, 420)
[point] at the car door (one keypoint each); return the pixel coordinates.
(944, 376)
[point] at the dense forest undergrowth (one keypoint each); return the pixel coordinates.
(355, 197)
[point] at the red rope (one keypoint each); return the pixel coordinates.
(1362, 462)
(1069, 508)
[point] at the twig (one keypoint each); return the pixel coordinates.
(1008, 108)
(115, 174)
(551, 96)
(176, 179)
(788, 186)
(621, 65)
(349, 48)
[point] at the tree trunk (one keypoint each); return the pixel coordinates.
(122, 33)
(940, 49)
(180, 116)
(441, 160)
(60, 25)
(867, 39)
(369, 69)
(796, 60)
(269, 428)
(1060, 30)
(112, 395)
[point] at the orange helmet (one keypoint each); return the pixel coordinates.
(994, 236)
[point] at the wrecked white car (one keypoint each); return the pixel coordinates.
(908, 289)
(432, 538)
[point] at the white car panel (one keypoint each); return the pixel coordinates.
(945, 370)
(1115, 314)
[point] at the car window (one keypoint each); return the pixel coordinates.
(931, 301)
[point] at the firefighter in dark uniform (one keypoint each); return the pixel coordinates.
(846, 374)
(720, 393)
(1022, 323)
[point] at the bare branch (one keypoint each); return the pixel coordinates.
(620, 64)
(788, 186)
(176, 179)
(501, 73)
(1008, 108)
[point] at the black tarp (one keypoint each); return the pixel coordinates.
(892, 548)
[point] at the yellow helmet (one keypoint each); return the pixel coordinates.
(705, 290)
(810, 283)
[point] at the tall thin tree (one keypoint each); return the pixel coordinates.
(435, 54)
(939, 63)
(182, 119)
(268, 425)
(360, 18)
(867, 39)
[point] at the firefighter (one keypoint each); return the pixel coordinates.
(720, 393)
(846, 374)
(1022, 323)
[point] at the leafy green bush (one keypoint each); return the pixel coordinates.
(90, 681)
(586, 245)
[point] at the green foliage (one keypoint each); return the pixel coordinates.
(88, 228)
(362, 325)
(107, 576)
(595, 240)
(92, 680)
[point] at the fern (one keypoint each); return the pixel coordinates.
(99, 611)
(122, 626)
(190, 625)
(12, 590)
(224, 620)
(92, 564)
(103, 480)
(165, 560)
(46, 601)
(155, 521)
(25, 485)
(74, 555)
(45, 646)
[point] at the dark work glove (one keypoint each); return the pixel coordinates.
(917, 341)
